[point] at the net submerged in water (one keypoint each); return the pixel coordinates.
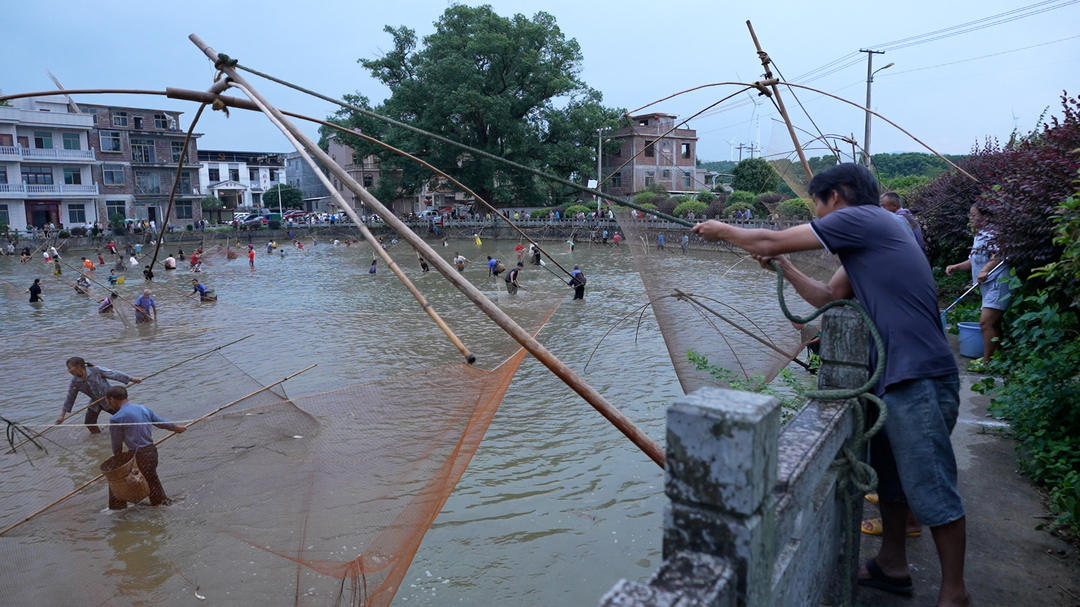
(323, 498)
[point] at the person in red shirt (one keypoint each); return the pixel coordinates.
(251, 256)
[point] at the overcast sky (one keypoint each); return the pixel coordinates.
(634, 53)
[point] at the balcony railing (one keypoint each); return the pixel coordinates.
(16, 152)
(48, 189)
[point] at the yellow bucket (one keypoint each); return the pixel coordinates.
(119, 280)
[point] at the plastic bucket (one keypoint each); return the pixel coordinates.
(971, 343)
(125, 480)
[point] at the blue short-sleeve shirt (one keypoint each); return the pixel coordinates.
(892, 279)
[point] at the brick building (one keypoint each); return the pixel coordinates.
(137, 151)
(671, 161)
(46, 165)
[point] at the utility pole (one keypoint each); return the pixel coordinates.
(753, 148)
(740, 147)
(869, 80)
(599, 167)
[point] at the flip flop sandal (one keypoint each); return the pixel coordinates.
(895, 585)
(874, 526)
(872, 498)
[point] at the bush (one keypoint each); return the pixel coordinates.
(64, 234)
(648, 197)
(732, 209)
(681, 198)
(574, 209)
(768, 202)
(706, 196)
(190, 227)
(794, 208)
(666, 205)
(749, 198)
(754, 175)
(539, 213)
(80, 231)
(684, 209)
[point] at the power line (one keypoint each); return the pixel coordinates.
(1015, 50)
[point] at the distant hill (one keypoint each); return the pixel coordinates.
(719, 166)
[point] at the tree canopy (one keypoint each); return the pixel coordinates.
(754, 175)
(291, 197)
(508, 86)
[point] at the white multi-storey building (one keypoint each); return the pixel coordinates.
(239, 179)
(45, 166)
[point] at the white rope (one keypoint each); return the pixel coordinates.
(177, 422)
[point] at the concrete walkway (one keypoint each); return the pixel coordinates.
(1009, 562)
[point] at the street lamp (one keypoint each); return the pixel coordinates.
(869, 80)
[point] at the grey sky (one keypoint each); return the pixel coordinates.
(634, 53)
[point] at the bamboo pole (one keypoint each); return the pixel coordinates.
(765, 61)
(155, 373)
(576, 383)
(159, 441)
(470, 358)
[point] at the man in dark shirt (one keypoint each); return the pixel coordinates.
(883, 267)
(130, 425)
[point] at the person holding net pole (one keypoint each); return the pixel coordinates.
(882, 266)
(131, 427)
(92, 381)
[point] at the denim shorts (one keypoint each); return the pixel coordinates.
(913, 455)
(996, 292)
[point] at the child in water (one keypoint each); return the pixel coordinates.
(371, 270)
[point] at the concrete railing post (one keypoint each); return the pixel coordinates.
(721, 469)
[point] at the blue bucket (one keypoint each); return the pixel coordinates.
(971, 343)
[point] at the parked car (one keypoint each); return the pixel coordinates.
(294, 215)
(255, 221)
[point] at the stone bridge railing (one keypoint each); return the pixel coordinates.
(756, 516)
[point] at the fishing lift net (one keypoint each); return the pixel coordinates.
(316, 500)
(701, 320)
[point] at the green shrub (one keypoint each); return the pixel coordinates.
(190, 227)
(793, 208)
(683, 209)
(731, 209)
(79, 231)
(706, 196)
(648, 197)
(539, 213)
(574, 209)
(738, 196)
(681, 198)
(64, 234)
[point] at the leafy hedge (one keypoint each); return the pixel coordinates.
(574, 209)
(793, 208)
(698, 207)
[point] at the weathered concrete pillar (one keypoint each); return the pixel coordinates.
(845, 348)
(721, 469)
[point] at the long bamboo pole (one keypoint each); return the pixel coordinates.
(159, 441)
(370, 238)
(576, 383)
(155, 373)
(765, 62)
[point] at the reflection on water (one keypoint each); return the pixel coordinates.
(555, 507)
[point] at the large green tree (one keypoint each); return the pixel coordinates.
(291, 197)
(754, 175)
(508, 86)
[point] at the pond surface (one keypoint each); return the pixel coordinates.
(555, 507)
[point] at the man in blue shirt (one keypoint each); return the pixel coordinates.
(883, 267)
(130, 425)
(145, 308)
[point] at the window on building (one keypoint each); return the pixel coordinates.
(234, 172)
(687, 180)
(213, 175)
(161, 121)
(273, 175)
(43, 140)
(666, 174)
(686, 150)
(650, 151)
(368, 181)
(5, 219)
(177, 149)
(616, 180)
(72, 175)
(116, 209)
(110, 141)
(256, 199)
(71, 141)
(119, 118)
(76, 213)
(142, 150)
(112, 174)
(650, 177)
(184, 209)
(665, 145)
(32, 175)
(3, 176)
(147, 182)
(643, 122)
(253, 175)
(138, 122)
(185, 183)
